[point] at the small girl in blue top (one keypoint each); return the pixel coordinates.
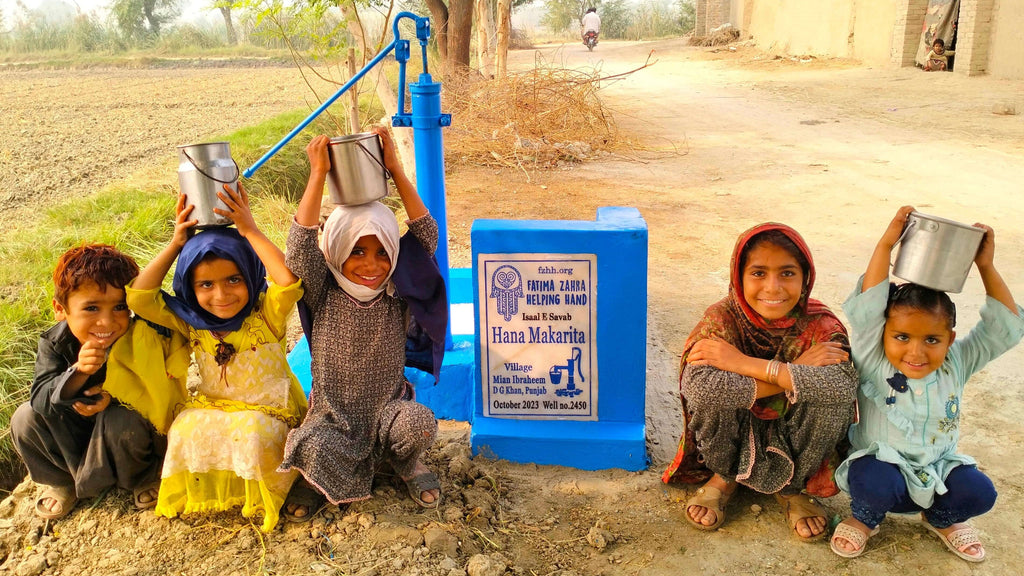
(912, 375)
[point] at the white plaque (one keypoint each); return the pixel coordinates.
(538, 319)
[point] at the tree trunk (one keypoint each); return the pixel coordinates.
(460, 33)
(353, 108)
(504, 18)
(148, 7)
(439, 26)
(484, 51)
(388, 98)
(225, 11)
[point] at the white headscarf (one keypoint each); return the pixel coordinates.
(345, 226)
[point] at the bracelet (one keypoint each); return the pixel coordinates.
(772, 373)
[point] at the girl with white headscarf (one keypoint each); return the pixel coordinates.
(361, 413)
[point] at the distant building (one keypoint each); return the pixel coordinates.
(877, 32)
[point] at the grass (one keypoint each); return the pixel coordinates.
(137, 218)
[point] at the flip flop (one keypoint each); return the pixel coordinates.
(303, 494)
(137, 492)
(960, 540)
(799, 507)
(421, 483)
(853, 536)
(66, 500)
(712, 498)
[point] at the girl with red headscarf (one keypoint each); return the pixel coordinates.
(767, 387)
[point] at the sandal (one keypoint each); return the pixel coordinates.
(64, 496)
(303, 494)
(960, 540)
(421, 483)
(853, 536)
(138, 492)
(799, 507)
(707, 496)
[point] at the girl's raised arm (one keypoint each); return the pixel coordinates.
(995, 286)
(268, 252)
(308, 213)
(414, 206)
(152, 276)
(878, 266)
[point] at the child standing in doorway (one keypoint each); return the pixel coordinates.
(90, 424)
(362, 415)
(226, 444)
(912, 376)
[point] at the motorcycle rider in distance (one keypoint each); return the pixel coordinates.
(591, 22)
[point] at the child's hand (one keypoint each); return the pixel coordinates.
(240, 214)
(823, 354)
(319, 159)
(93, 407)
(987, 251)
(715, 352)
(183, 227)
(895, 230)
(391, 161)
(91, 357)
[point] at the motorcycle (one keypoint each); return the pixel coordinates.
(590, 40)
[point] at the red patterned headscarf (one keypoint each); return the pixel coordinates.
(732, 319)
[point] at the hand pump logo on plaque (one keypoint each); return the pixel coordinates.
(537, 326)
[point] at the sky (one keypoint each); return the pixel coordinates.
(189, 7)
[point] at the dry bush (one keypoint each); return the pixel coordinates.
(717, 37)
(530, 120)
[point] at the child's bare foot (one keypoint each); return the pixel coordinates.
(297, 510)
(706, 510)
(423, 486)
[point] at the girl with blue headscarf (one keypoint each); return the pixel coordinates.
(227, 441)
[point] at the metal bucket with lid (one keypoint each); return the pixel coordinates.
(357, 174)
(203, 169)
(936, 253)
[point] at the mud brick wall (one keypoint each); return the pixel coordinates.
(974, 31)
(907, 31)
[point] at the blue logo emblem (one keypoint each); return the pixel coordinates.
(507, 289)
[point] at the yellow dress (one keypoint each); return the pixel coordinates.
(226, 443)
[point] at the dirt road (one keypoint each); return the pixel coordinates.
(729, 139)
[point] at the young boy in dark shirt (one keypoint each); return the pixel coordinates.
(76, 438)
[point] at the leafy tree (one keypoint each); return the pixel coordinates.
(566, 14)
(141, 20)
(225, 6)
(687, 15)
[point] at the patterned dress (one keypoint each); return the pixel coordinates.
(360, 413)
(226, 444)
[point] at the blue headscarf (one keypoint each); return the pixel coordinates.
(224, 243)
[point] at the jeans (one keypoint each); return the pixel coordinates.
(878, 487)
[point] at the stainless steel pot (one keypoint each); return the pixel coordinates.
(202, 171)
(357, 174)
(936, 253)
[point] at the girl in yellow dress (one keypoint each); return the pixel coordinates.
(226, 443)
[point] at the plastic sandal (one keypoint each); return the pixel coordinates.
(136, 493)
(712, 498)
(302, 494)
(851, 535)
(799, 507)
(66, 500)
(960, 540)
(421, 483)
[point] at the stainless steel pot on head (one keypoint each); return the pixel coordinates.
(357, 174)
(936, 253)
(203, 169)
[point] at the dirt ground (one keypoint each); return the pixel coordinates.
(728, 138)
